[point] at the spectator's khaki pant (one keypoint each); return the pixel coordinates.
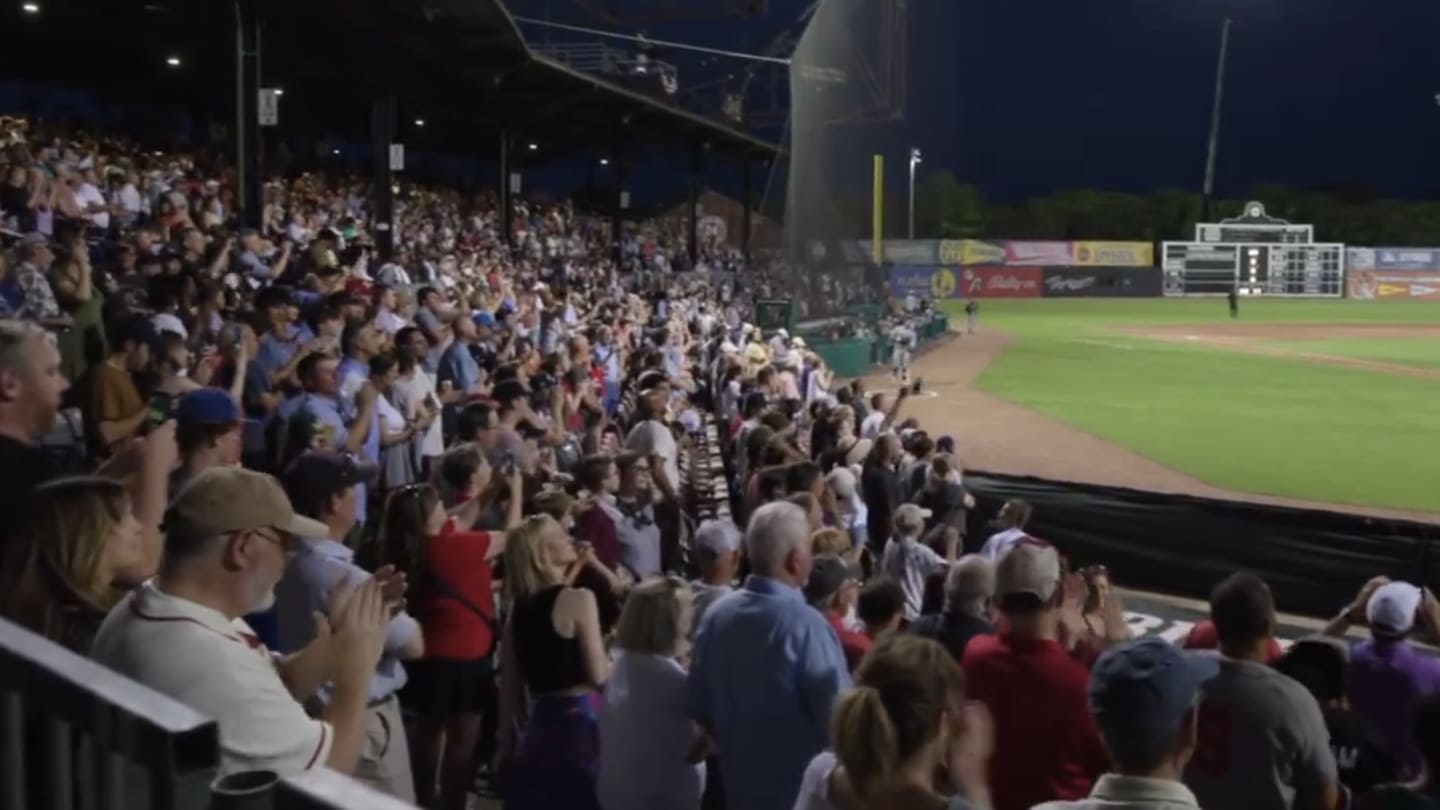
(385, 759)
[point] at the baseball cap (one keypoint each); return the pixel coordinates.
(1141, 691)
(317, 475)
(1030, 568)
(224, 500)
(910, 517)
(945, 445)
(828, 576)
(718, 536)
(207, 406)
(1391, 609)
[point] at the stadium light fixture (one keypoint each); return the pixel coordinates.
(334, 151)
(534, 146)
(172, 61)
(604, 161)
(30, 8)
(419, 122)
(279, 91)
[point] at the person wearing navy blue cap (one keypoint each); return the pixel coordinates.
(1144, 697)
(207, 432)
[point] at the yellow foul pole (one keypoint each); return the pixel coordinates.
(877, 211)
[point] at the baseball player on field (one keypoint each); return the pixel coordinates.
(902, 340)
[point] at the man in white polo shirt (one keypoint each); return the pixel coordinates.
(229, 534)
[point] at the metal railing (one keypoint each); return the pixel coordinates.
(76, 736)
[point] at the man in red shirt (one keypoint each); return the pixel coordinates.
(1046, 745)
(832, 589)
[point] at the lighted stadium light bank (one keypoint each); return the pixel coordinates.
(30, 8)
(334, 151)
(172, 61)
(419, 122)
(604, 161)
(533, 146)
(279, 91)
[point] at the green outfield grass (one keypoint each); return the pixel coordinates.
(1419, 352)
(1243, 422)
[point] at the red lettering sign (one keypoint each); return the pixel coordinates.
(1002, 282)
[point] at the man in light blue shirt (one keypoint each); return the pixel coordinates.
(322, 484)
(768, 668)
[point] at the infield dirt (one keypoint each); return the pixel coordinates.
(999, 436)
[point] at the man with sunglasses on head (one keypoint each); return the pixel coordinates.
(324, 485)
(229, 535)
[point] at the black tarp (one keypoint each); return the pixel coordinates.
(1314, 560)
(1102, 282)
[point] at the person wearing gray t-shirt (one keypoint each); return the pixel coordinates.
(1261, 743)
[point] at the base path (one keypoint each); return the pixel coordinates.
(999, 436)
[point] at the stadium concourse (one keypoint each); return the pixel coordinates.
(528, 509)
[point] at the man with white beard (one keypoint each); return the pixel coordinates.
(229, 534)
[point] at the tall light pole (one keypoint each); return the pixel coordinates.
(914, 161)
(1208, 191)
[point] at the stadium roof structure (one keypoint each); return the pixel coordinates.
(461, 66)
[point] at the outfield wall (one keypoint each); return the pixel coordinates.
(1313, 560)
(942, 283)
(1392, 274)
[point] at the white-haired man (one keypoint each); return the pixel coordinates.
(768, 668)
(969, 606)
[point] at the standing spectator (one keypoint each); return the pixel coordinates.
(969, 595)
(1262, 739)
(880, 607)
(717, 556)
(909, 561)
(1046, 746)
(31, 386)
(1010, 525)
(1421, 793)
(207, 431)
(1143, 697)
(650, 749)
(322, 485)
(113, 408)
(631, 509)
(905, 720)
(833, 588)
(1362, 756)
(768, 668)
(1388, 676)
(555, 652)
(77, 553)
(880, 486)
(227, 541)
(32, 277)
(454, 684)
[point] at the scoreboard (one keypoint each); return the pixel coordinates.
(1193, 268)
(1285, 269)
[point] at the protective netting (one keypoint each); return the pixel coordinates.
(847, 87)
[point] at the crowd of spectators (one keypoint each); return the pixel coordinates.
(475, 517)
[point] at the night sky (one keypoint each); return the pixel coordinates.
(1022, 97)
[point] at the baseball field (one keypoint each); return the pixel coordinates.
(1312, 402)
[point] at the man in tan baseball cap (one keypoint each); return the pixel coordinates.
(229, 534)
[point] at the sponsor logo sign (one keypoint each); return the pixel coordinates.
(1415, 259)
(907, 251)
(971, 251)
(1103, 282)
(1114, 254)
(1001, 282)
(1368, 285)
(1037, 254)
(924, 281)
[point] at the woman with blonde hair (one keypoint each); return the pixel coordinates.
(552, 650)
(904, 720)
(650, 749)
(77, 551)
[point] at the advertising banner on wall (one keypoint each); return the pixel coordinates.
(1369, 285)
(1001, 282)
(925, 281)
(971, 251)
(1037, 254)
(1102, 282)
(1113, 254)
(1394, 259)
